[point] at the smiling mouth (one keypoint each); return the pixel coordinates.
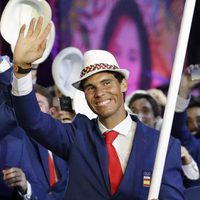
(103, 103)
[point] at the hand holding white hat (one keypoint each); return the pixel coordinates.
(30, 47)
(19, 12)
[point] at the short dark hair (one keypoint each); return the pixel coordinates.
(155, 106)
(117, 75)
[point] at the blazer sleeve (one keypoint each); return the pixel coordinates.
(47, 131)
(172, 182)
(181, 131)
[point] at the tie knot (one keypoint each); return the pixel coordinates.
(110, 136)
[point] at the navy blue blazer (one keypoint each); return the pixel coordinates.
(37, 153)
(180, 130)
(82, 145)
(39, 159)
(13, 153)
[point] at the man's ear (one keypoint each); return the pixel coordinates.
(53, 111)
(124, 85)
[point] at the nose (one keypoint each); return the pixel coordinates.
(99, 91)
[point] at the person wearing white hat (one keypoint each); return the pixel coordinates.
(99, 168)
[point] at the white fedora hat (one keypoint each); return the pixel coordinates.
(95, 61)
(66, 68)
(19, 12)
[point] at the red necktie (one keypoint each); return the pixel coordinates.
(52, 174)
(114, 166)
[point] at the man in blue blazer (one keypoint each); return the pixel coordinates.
(81, 143)
(180, 128)
(14, 157)
(33, 156)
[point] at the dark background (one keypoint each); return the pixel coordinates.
(44, 71)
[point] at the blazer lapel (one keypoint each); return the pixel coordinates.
(44, 160)
(135, 162)
(102, 156)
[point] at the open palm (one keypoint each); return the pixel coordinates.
(31, 47)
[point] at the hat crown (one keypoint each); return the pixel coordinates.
(97, 56)
(98, 60)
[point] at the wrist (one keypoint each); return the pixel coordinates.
(22, 190)
(184, 93)
(20, 70)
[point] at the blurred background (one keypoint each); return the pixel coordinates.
(142, 34)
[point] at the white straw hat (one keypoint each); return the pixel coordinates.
(95, 61)
(19, 12)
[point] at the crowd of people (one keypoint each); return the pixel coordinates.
(48, 153)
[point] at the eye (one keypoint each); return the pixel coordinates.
(145, 110)
(89, 88)
(107, 83)
(134, 110)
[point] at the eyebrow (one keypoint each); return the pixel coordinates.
(93, 85)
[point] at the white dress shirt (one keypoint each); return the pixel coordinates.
(124, 141)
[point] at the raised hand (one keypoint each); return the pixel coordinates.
(66, 117)
(187, 83)
(31, 46)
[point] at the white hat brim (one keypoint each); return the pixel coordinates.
(66, 68)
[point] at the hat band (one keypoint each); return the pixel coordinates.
(95, 67)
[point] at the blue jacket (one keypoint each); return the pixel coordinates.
(82, 145)
(37, 153)
(39, 159)
(180, 130)
(13, 153)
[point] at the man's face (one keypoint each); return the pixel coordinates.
(43, 103)
(193, 119)
(144, 110)
(104, 95)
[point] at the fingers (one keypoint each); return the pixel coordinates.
(45, 33)
(31, 27)
(35, 29)
(22, 30)
(14, 177)
(65, 116)
(38, 27)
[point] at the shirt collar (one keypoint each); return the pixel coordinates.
(122, 128)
